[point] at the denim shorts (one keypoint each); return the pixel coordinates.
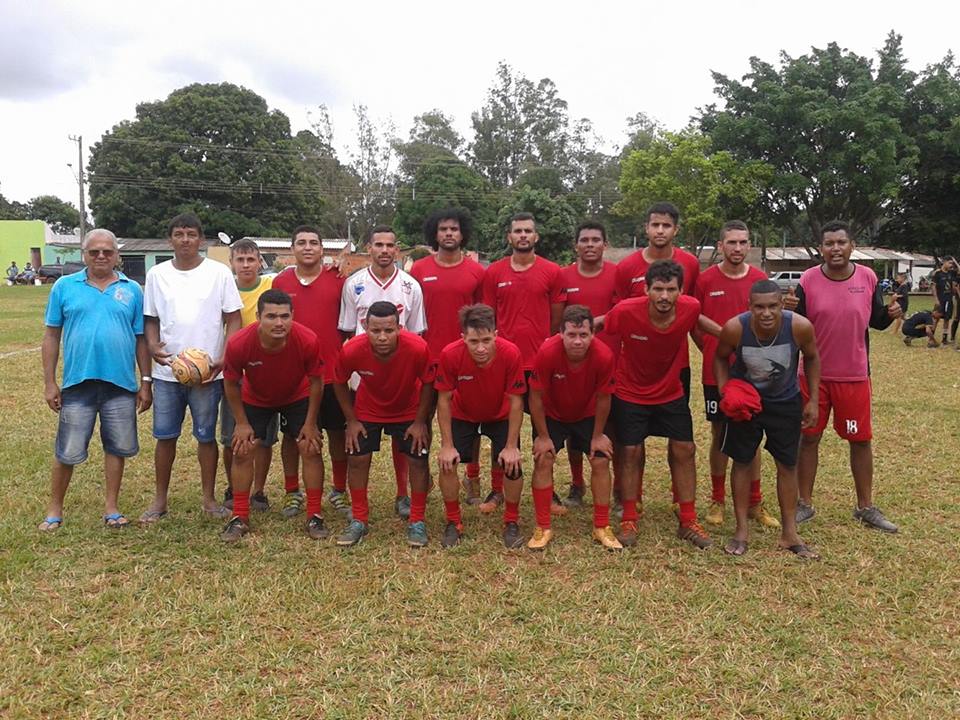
(228, 423)
(170, 402)
(79, 407)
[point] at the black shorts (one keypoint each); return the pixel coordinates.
(579, 433)
(779, 420)
(371, 443)
(466, 433)
(331, 416)
(634, 422)
(918, 331)
(292, 417)
(711, 403)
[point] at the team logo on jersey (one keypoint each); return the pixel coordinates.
(505, 283)
(573, 290)
(365, 372)
(407, 286)
(638, 337)
(358, 290)
(634, 281)
(856, 290)
(559, 376)
(717, 293)
(464, 377)
(430, 279)
(122, 295)
(254, 363)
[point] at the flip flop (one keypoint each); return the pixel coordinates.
(115, 521)
(735, 547)
(152, 516)
(50, 524)
(802, 551)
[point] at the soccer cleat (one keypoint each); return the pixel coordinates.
(628, 533)
(451, 535)
(695, 535)
(574, 496)
(339, 501)
(234, 530)
(557, 507)
(541, 538)
(762, 517)
(804, 512)
(873, 517)
(605, 537)
(316, 529)
(352, 534)
(471, 489)
(228, 498)
(417, 534)
(714, 515)
(259, 502)
(908, 341)
(931, 343)
(401, 506)
(493, 501)
(292, 504)
(511, 536)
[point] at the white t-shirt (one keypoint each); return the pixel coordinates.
(190, 306)
(363, 289)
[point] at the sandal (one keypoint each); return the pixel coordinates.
(735, 547)
(802, 551)
(115, 521)
(220, 513)
(152, 516)
(50, 524)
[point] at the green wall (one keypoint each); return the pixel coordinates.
(16, 239)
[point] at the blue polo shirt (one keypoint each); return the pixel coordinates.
(99, 328)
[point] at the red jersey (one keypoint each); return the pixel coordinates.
(631, 272)
(389, 391)
(570, 393)
(445, 291)
(273, 379)
(522, 302)
(722, 298)
(599, 293)
(317, 306)
(648, 372)
(480, 393)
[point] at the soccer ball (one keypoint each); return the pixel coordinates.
(191, 367)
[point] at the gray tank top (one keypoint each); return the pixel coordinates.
(770, 366)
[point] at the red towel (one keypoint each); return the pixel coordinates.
(741, 401)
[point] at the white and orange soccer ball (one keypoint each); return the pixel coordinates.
(191, 367)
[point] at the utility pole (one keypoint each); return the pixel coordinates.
(83, 205)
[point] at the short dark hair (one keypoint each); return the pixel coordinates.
(383, 309)
(663, 208)
(517, 217)
(590, 225)
(304, 229)
(461, 215)
(244, 245)
(274, 297)
(836, 226)
(376, 229)
(477, 317)
(185, 220)
(732, 225)
(577, 315)
(764, 287)
(665, 271)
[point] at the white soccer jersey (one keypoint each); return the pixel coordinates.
(363, 288)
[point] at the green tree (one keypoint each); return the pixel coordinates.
(556, 221)
(12, 210)
(373, 164)
(215, 149)
(62, 216)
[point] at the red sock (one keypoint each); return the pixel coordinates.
(755, 495)
(630, 510)
(496, 479)
(452, 509)
(339, 475)
(511, 511)
(399, 468)
(418, 506)
(358, 505)
(314, 502)
(542, 498)
(601, 515)
(719, 487)
(241, 505)
(473, 470)
(291, 483)
(688, 512)
(576, 468)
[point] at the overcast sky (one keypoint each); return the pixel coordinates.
(71, 68)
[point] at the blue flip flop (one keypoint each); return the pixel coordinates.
(52, 523)
(115, 521)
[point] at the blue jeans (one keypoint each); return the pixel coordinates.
(170, 403)
(79, 407)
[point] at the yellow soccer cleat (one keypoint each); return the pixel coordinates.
(714, 515)
(763, 518)
(541, 538)
(604, 536)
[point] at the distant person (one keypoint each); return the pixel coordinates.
(922, 324)
(901, 291)
(12, 272)
(943, 289)
(28, 274)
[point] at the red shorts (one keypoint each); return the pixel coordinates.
(851, 408)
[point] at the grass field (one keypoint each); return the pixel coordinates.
(166, 623)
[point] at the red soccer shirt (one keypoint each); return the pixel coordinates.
(273, 379)
(522, 302)
(317, 306)
(445, 291)
(389, 391)
(648, 371)
(721, 298)
(570, 393)
(631, 272)
(599, 293)
(480, 393)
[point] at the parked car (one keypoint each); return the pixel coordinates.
(52, 273)
(787, 279)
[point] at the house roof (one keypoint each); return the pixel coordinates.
(275, 243)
